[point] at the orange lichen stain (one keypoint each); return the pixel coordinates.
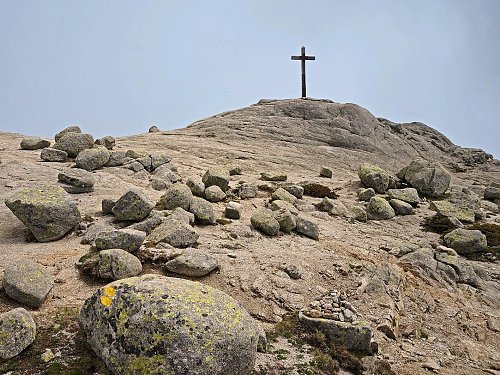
(109, 291)
(106, 301)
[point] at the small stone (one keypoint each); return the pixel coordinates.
(132, 206)
(107, 206)
(307, 228)
(193, 263)
(401, 208)
(17, 332)
(92, 232)
(285, 219)
(182, 215)
(159, 160)
(76, 177)
(53, 155)
(283, 195)
(408, 195)
(465, 241)
(218, 177)
(118, 264)
(126, 239)
(233, 210)
(235, 170)
(294, 271)
(153, 129)
(159, 184)
(47, 356)
(197, 187)
(326, 172)
(366, 194)
(247, 191)
(134, 166)
(372, 176)
(265, 222)
(318, 190)
(214, 194)
(177, 195)
(27, 282)
(34, 143)
(116, 158)
(380, 209)
(492, 193)
(296, 190)
(202, 210)
(431, 364)
(107, 141)
(175, 233)
(279, 204)
(359, 213)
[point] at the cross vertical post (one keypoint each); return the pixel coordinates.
(303, 59)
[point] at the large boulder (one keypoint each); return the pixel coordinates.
(429, 178)
(53, 154)
(134, 205)
(283, 195)
(408, 195)
(175, 233)
(34, 143)
(465, 241)
(218, 177)
(118, 264)
(107, 141)
(69, 129)
(92, 158)
(126, 239)
(76, 180)
(160, 325)
(379, 209)
(265, 222)
(47, 211)
(193, 263)
(318, 190)
(202, 210)
(214, 194)
(492, 193)
(27, 282)
(17, 332)
(73, 143)
(448, 209)
(177, 195)
(285, 219)
(307, 228)
(197, 187)
(401, 207)
(373, 176)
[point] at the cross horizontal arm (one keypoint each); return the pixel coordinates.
(303, 57)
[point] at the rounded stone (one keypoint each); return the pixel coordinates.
(159, 325)
(17, 332)
(265, 222)
(52, 154)
(118, 264)
(214, 194)
(177, 195)
(134, 205)
(192, 262)
(69, 129)
(372, 176)
(380, 209)
(202, 210)
(218, 177)
(34, 143)
(73, 143)
(92, 158)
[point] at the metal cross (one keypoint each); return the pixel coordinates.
(303, 59)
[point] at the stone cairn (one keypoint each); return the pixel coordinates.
(334, 306)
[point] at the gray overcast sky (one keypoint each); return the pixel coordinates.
(116, 67)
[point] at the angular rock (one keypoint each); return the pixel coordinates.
(73, 143)
(233, 210)
(126, 239)
(447, 256)
(492, 193)
(218, 177)
(77, 178)
(293, 271)
(146, 162)
(379, 209)
(134, 205)
(285, 219)
(175, 233)
(440, 224)
(448, 209)
(325, 172)
(214, 194)
(193, 263)
(47, 211)
(359, 213)
(296, 190)
(401, 208)
(93, 231)
(202, 210)
(193, 328)
(283, 195)
(279, 204)
(333, 207)
(318, 190)
(159, 159)
(147, 225)
(69, 129)
(372, 176)
(159, 184)
(197, 187)
(235, 170)
(92, 158)
(273, 176)
(118, 264)
(116, 159)
(27, 282)
(265, 222)
(136, 154)
(429, 178)
(33, 143)
(247, 191)
(107, 206)
(17, 332)
(366, 194)
(107, 141)
(466, 200)
(408, 195)
(307, 228)
(466, 242)
(177, 195)
(52, 154)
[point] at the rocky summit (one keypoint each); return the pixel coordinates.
(296, 236)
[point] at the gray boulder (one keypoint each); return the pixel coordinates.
(247, 191)
(214, 194)
(283, 195)
(160, 325)
(173, 232)
(492, 193)
(307, 228)
(197, 187)
(265, 222)
(17, 332)
(33, 143)
(107, 205)
(164, 172)
(218, 177)
(193, 263)
(147, 225)
(177, 195)
(233, 210)
(466, 242)
(285, 219)
(279, 204)
(27, 282)
(93, 231)
(448, 209)
(76, 180)
(47, 211)
(202, 210)
(359, 213)
(132, 206)
(182, 215)
(408, 195)
(69, 129)
(379, 209)
(73, 143)
(126, 239)
(107, 141)
(401, 208)
(429, 178)
(318, 190)
(366, 194)
(117, 264)
(54, 155)
(160, 159)
(296, 190)
(325, 172)
(92, 158)
(373, 176)
(116, 158)
(273, 176)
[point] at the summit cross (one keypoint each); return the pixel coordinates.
(303, 59)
